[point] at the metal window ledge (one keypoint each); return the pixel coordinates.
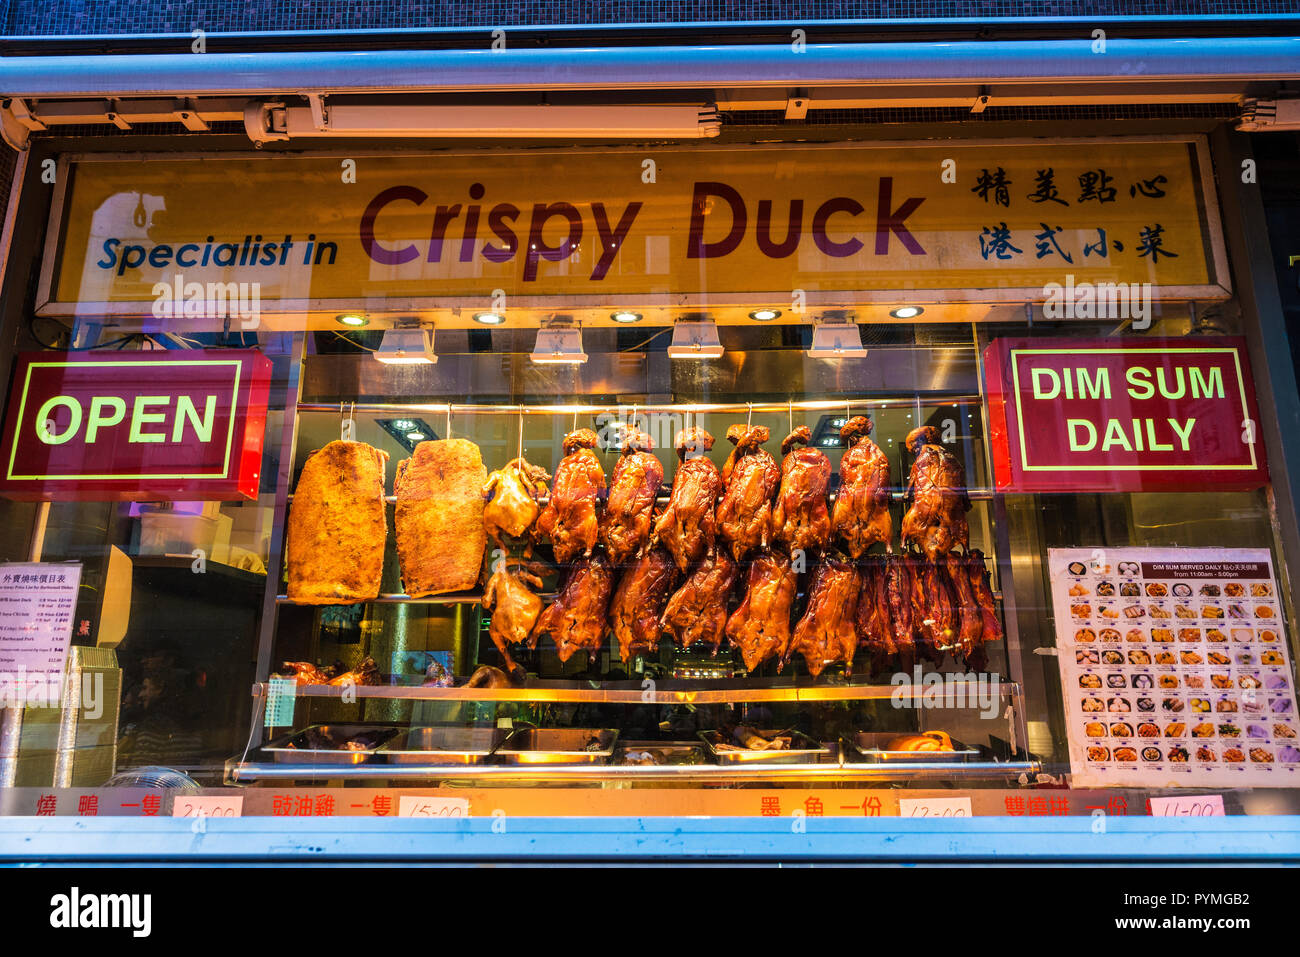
(275, 840)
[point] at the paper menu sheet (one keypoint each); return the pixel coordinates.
(1174, 668)
(37, 603)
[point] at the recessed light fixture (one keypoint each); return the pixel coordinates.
(765, 315)
(407, 344)
(906, 312)
(695, 339)
(626, 317)
(559, 342)
(407, 433)
(489, 318)
(351, 319)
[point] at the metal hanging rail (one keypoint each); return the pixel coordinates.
(444, 408)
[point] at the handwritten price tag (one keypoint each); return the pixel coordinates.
(1199, 805)
(415, 806)
(220, 806)
(934, 807)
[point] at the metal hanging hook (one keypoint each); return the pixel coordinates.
(520, 451)
(749, 415)
(790, 413)
(448, 420)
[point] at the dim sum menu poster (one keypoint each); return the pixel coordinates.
(1175, 668)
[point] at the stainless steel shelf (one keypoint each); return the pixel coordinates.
(625, 774)
(633, 693)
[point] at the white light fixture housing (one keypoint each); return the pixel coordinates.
(765, 315)
(906, 312)
(407, 344)
(320, 116)
(489, 318)
(559, 342)
(695, 339)
(837, 339)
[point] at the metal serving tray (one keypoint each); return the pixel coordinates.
(559, 746)
(869, 746)
(662, 753)
(803, 749)
(442, 745)
(293, 748)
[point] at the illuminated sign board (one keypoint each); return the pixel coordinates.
(149, 426)
(1073, 415)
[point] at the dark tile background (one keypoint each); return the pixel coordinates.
(49, 17)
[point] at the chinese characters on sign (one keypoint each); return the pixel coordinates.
(37, 604)
(1095, 186)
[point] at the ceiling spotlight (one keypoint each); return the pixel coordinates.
(695, 339)
(559, 342)
(407, 344)
(906, 312)
(837, 339)
(765, 315)
(489, 318)
(626, 317)
(351, 319)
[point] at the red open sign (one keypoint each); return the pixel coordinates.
(1093, 415)
(145, 426)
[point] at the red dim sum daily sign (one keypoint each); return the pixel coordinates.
(147, 426)
(1108, 415)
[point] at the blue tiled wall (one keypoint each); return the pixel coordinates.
(46, 17)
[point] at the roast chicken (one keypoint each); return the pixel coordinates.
(760, 626)
(875, 631)
(937, 500)
(629, 510)
(698, 610)
(751, 478)
(514, 607)
(686, 528)
(513, 507)
(827, 632)
(800, 519)
(639, 601)
(569, 519)
(336, 527)
(576, 620)
(861, 515)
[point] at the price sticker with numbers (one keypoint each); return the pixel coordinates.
(1197, 805)
(412, 805)
(934, 807)
(223, 805)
